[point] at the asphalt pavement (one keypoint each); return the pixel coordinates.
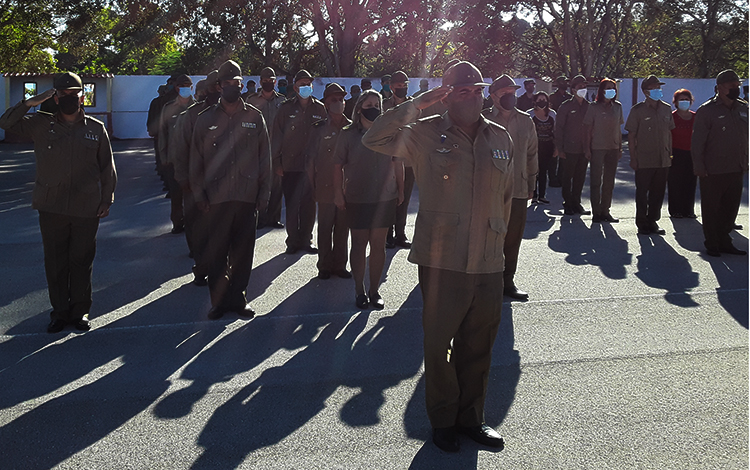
(632, 352)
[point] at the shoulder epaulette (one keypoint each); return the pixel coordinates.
(320, 123)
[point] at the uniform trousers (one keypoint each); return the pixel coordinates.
(681, 183)
(403, 210)
(300, 208)
(516, 226)
(460, 318)
(272, 214)
(231, 246)
(333, 238)
(574, 177)
(197, 226)
(69, 248)
(603, 171)
(650, 184)
(176, 214)
(721, 195)
(546, 167)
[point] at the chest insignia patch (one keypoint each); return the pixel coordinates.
(292, 116)
(573, 111)
(501, 154)
(328, 137)
(722, 116)
(442, 138)
(647, 119)
(443, 150)
(213, 128)
(248, 125)
(91, 136)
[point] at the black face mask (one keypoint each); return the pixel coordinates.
(69, 104)
(371, 113)
(542, 104)
(400, 92)
(508, 101)
(733, 93)
(267, 86)
(230, 93)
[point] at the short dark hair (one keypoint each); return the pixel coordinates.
(600, 92)
(681, 91)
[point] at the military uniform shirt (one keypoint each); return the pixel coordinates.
(569, 128)
(168, 119)
(605, 122)
(652, 129)
(230, 159)
(180, 140)
(75, 169)
(269, 108)
(720, 142)
(465, 187)
(321, 159)
(526, 145)
(291, 131)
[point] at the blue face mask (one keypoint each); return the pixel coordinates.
(282, 90)
(683, 105)
(655, 95)
(185, 92)
(610, 94)
(305, 91)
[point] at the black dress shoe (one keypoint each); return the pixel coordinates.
(677, 215)
(403, 242)
(644, 231)
(596, 219)
(361, 301)
(568, 211)
(260, 225)
(178, 229)
(376, 301)
(245, 311)
(657, 230)
(55, 326)
(310, 249)
(737, 227)
(276, 225)
(514, 293)
(199, 280)
(290, 250)
(446, 439)
(484, 435)
(732, 250)
(390, 243)
(216, 312)
(82, 324)
(610, 219)
(343, 274)
(691, 216)
(324, 274)
(714, 253)
(581, 210)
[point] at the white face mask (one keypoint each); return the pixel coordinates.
(581, 93)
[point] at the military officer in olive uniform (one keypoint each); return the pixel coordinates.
(463, 164)
(720, 150)
(74, 188)
(291, 131)
(269, 101)
(230, 176)
(196, 222)
(333, 232)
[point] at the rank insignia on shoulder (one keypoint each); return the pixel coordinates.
(501, 154)
(443, 150)
(213, 128)
(248, 125)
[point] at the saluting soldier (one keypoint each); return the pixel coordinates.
(720, 151)
(269, 101)
(291, 131)
(397, 233)
(230, 176)
(196, 222)
(333, 232)
(74, 188)
(463, 164)
(526, 166)
(169, 115)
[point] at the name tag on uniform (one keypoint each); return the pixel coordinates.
(248, 125)
(743, 114)
(90, 136)
(317, 117)
(501, 154)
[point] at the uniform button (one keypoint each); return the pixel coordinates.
(49, 146)
(445, 177)
(292, 127)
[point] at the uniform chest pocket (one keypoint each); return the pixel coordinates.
(443, 168)
(500, 170)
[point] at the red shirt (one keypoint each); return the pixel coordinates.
(683, 131)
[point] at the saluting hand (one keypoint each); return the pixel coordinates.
(40, 98)
(427, 99)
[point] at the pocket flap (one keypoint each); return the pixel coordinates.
(498, 224)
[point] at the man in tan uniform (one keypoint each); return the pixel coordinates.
(230, 176)
(290, 133)
(75, 185)
(649, 127)
(269, 101)
(462, 162)
(525, 168)
(720, 150)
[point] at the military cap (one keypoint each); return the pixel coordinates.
(230, 70)
(385, 77)
(201, 85)
(561, 81)
(727, 76)
(183, 80)
(578, 80)
(212, 77)
(301, 75)
(251, 81)
(463, 74)
(333, 89)
(68, 81)
(267, 72)
(400, 77)
(529, 80)
(650, 81)
(503, 81)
